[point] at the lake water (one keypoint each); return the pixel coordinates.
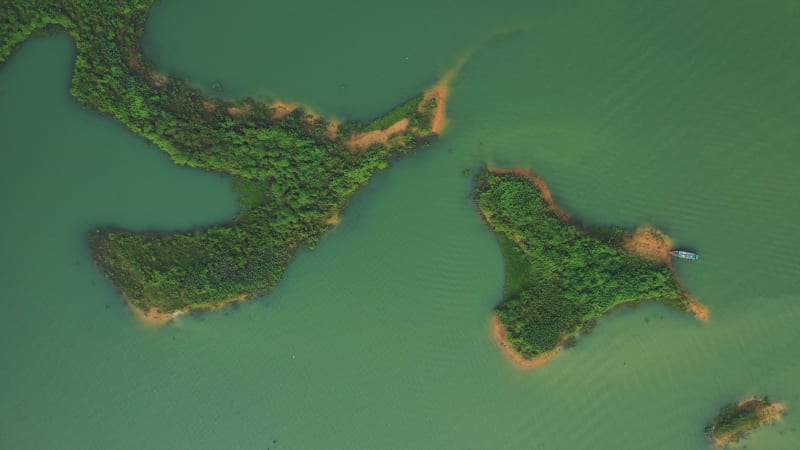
(682, 115)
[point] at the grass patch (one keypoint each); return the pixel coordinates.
(518, 269)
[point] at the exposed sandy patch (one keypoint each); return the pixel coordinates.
(361, 141)
(154, 316)
(236, 111)
(650, 243)
(540, 184)
(334, 220)
(775, 412)
(158, 79)
(208, 106)
(653, 244)
(441, 91)
(769, 413)
(333, 129)
(438, 121)
(487, 217)
(282, 109)
(499, 335)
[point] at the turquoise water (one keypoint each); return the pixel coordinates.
(681, 116)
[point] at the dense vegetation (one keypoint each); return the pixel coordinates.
(293, 171)
(735, 420)
(559, 276)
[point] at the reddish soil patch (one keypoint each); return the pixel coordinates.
(650, 243)
(441, 92)
(281, 109)
(653, 244)
(361, 141)
(334, 220)
(154, 316)
(333, 129)
(438, 92)
(237, 111)
(647, 242)
(208, 106)
(499, 335)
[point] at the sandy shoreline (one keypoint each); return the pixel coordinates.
(154, 317)
(280, 109)
(362, 141)
(650, 243)
(647, 242)
(540, 184)
(440, 91)
(499, 335)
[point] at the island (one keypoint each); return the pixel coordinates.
(293, 170)
(561, 276)
(735, 420)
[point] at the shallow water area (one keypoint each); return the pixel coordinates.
(682, 117)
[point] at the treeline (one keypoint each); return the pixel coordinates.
(291, 171)
(559, 277)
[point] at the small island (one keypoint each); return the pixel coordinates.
(735, 420)
(294, 171)
(561, 277)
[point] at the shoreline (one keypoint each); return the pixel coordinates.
(646, 241)
(439, 92)
(154, 317)
(499, 335)
(770, 413)
(651, 243)
(540, 184)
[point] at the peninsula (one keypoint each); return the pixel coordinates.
(735, 420)
(560, 277)
(294, 171)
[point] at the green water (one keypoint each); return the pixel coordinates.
(683, 116)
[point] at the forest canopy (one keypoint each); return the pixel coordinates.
(292, 170)
(560, 277)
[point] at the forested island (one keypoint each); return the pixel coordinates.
(735, 420)
(561, 277)
(293, 170)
